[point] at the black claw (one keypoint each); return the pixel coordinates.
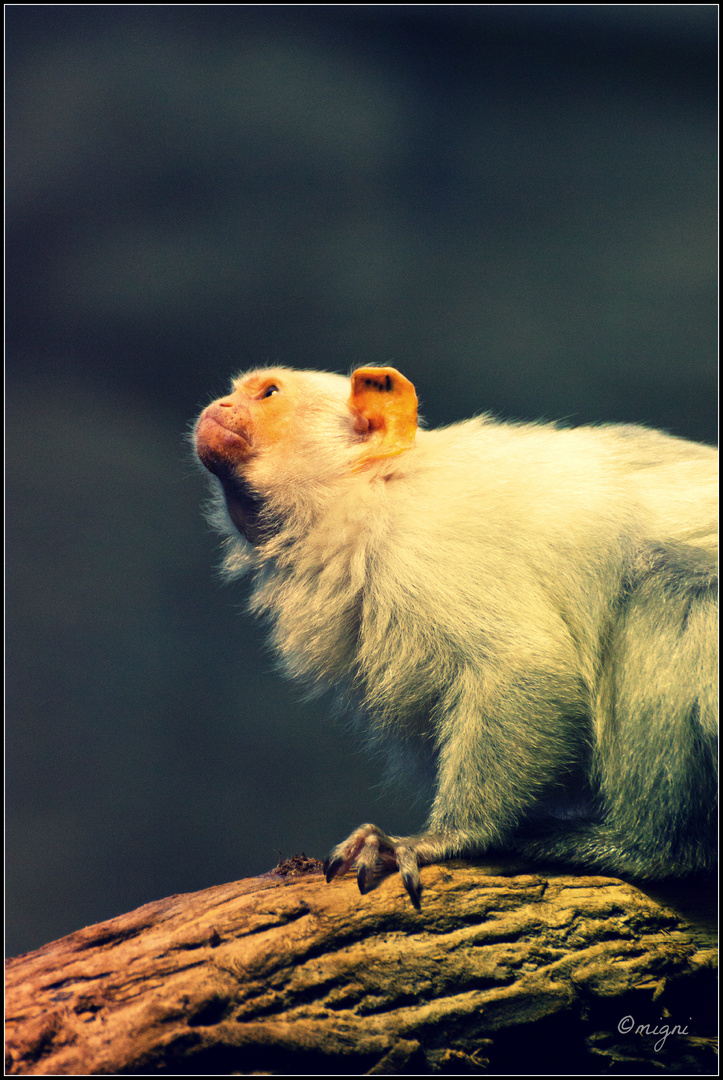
(414, 889)
(362, 881)
(331, 866)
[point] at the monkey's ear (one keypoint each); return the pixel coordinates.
(384, 406)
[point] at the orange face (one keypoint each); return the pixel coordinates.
(232, 429)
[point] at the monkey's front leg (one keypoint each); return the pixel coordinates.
(375, 855)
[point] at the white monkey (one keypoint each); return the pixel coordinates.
(524, 613)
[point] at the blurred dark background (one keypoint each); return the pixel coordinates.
(515, 205)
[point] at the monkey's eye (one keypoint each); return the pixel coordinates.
(269, 391)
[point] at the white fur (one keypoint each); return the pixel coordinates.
(465, 592)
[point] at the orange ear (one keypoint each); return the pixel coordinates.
(386, 408)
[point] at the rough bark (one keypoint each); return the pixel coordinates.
(517, 973)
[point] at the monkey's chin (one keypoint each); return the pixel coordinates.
(244, 509)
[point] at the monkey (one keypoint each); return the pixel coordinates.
(521, 615)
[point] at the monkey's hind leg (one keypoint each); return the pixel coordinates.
(656, 745)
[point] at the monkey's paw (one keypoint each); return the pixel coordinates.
(375, 855)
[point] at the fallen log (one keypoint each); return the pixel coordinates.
(284, 974)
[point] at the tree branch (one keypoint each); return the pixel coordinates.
(286, 974)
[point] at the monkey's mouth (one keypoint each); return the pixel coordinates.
(220, 448)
